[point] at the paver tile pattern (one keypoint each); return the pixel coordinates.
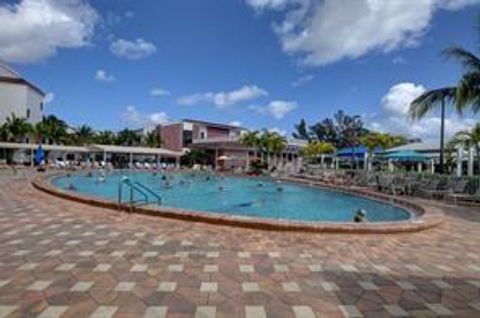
(64, 259)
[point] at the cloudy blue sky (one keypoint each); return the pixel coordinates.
(258, 63)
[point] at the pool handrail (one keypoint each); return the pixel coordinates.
(132, 188)
(149, 190)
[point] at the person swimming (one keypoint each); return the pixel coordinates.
(260, 185)
(222, 188)
(71, 187)
(164, 177)
(279, 189)
(360, 216)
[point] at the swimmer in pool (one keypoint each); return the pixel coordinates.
(71, 187)
(222, 188)
(359, 216)
(279, 189)
(260, 185)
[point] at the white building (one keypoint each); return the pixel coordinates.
(19, 96)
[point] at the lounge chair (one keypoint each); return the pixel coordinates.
(428, 189)
(465, 197)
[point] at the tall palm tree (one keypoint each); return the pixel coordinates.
(84, 135)
(429, 101)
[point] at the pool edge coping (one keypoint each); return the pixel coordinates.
(426, 217)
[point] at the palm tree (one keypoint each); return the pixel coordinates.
(469, 138)
(426, 103)
(152, 139)
(277, 144)
(251, 139)
(106, 137)
(128, 137)
(84, 135)
(15, 128)
(468, 88)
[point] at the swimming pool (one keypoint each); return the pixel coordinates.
(239, 196)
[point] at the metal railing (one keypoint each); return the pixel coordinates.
(136, 188)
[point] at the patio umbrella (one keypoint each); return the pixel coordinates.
(222, 158)
(407, 156)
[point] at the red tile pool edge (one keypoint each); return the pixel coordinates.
(426, 217)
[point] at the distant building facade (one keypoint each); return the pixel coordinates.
(19, 96)
(221, 142)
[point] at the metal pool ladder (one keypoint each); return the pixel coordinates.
(136, 187)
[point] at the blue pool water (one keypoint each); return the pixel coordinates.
(239, 196)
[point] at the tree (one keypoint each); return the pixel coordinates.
(427, 102)
(128, 137)
(152, 139)
(277, 143)
(106, 137)
(470, 138)
(84, 135)
(51, 129)
(317, 148)
(251, 139)
(194, 156)
(342, 131)
(301, 130)
(468, 89)
(15, 128)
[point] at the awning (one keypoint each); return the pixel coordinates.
(407, 156)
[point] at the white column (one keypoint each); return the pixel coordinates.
(131, 160)
(366, 161)
(432, 166)
(471, 160)
(419, 166)
(337, 163)
(459, 161)
(390, 165)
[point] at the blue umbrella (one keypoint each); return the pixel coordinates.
(39, 155)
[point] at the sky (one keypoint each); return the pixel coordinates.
(113, 64)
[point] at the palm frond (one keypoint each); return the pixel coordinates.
(468, 90)
(426, 102)
(468, 60)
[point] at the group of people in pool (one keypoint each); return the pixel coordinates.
(190, 178)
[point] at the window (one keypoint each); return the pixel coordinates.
(28, 112)
(41, 107)
(202, 135)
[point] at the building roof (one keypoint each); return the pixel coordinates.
(217, 125)
(134, 150)
(8, 75)
(13, 145)
(415, 146)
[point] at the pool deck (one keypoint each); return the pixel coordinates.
(65, 259)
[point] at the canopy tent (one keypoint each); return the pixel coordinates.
(407, 156)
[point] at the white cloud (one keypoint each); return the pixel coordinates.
(281, 132)
(159, 92)
(393, 117)
(302, 80)
(276, 109)
(33, 30)
(134, 118)
(400, 96)
(224, 99)
(267, 4)
(323, 32)
(236, 123)
(103, 76)
(133, 50)
(49, 97)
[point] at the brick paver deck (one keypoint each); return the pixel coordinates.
(63, 259)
